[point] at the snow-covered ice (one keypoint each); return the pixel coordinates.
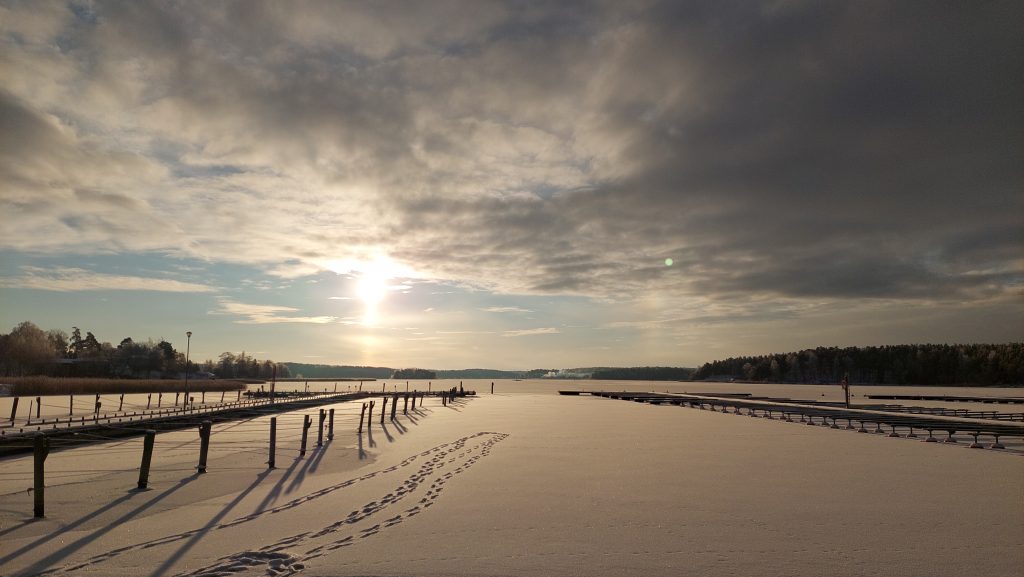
(524, 482)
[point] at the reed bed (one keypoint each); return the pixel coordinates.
(36, 385)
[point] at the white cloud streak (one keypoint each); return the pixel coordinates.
(531, 332)
(267, 314)
(64, 279)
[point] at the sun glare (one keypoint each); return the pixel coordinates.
(374, 280)
(372, 288)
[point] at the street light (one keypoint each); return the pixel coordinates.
(188, 346)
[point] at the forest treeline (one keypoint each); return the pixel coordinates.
(29, 350)
(977, 364)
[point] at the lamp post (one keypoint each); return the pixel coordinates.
(188, 346)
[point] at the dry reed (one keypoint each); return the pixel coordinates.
(37, 385)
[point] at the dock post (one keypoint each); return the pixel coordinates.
(361, 414)
(120, 403)
(239, 397)
(149, 400)
(383, 409)
(273, 442)
(492, 387)
(39, 405)
(147, 458)
(159, 399)
(202, 399)
(176, 399)
(405, 407)
(41, 448)
(204, 444)
(14, 409)
(305, 433)
(71, 405)
(320, 429)
(330, 426)
(414, 400)
(394, 406)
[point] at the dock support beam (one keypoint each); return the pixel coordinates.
(41, 448)
(147, 458)
(273, 443)
(204, 444)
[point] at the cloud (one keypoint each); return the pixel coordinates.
(800, 151)
(506, 310)
(266, 314)
(65, 279)
(531, 332)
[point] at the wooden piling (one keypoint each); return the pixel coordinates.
(71, 405)
(14, 409)
(330, 426)
(492, 387)
(120, 403)
(202, 398)
(41, 448)
(414, 400)
(204, 444)
(361, 414)
(394, 406)
(176, 399)
(306, 423)
(320, 429)
(149, 400)
(273, 442)
(405, 406)
(383, 409)
(147, 458)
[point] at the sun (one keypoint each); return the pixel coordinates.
(372, 287)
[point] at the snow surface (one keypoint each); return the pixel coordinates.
(525, 482)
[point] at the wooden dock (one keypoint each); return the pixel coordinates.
(110, 426)
(867, 418)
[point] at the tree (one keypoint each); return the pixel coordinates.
(27, 350)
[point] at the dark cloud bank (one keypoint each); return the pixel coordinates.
(779, 149)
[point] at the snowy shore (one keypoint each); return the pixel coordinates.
(524, 483)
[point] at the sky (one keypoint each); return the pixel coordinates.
(513, 185)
